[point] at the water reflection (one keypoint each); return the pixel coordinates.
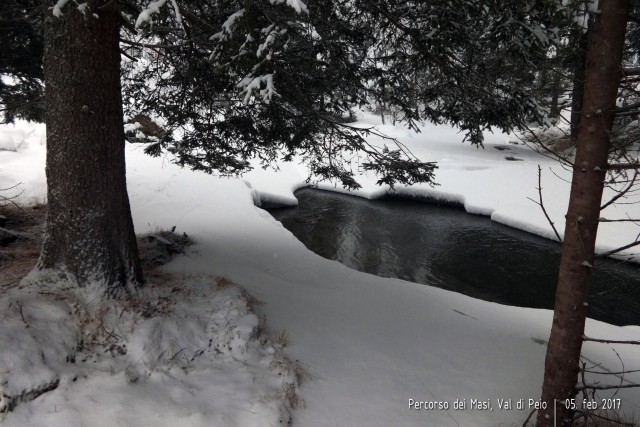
(448, 248)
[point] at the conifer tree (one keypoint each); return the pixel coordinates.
(233, 81)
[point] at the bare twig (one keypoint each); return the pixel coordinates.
(10, 199)
(631, 71)
(548, 152)
(149, 45)
(620, 249)
(19, 309)
(623, 166)
(612, 373)
(606, 387)
(586, 338)
(122, 52)
(524, 424)
(622, 192)
(585, 391)
(623, 368)
(541, 204)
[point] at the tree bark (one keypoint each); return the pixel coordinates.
(602, 78)
(89, 230)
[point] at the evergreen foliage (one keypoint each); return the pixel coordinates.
(21, 73)
(473, 64)
(231, 80)
(262, 79)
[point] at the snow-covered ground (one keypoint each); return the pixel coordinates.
(370, 345)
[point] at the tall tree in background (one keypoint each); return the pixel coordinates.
(602, 78)
(89, 230)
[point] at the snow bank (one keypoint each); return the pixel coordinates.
(499, 181)
(188, 352)
(371, 345)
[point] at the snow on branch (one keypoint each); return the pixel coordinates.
(227, 26)
(251, 84)
(153, 8)
(176, 10)
(57, 8)
(297, 5)
(229, 23)
(272, 34)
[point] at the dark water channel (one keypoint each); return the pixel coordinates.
(446, 247)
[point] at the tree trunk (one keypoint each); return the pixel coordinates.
(554, 109)
(89, 230)
(582, 40)
(602, 78)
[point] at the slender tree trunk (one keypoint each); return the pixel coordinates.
(602, 78)
(89, 231)
(554, 110)
(582, 39)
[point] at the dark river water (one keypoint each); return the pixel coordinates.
(446, 247)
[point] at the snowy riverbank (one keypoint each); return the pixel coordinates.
(370, 344)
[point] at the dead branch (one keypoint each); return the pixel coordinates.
(122, 52)
(631, 71)
(549, 153)
(627, 108)
(622, 192)
(10, 199)
(627, 113)
(524, 424)
(633, 371)
(586, 338)
(151, 45)
(620, 249)
(541, 204)
(19, 309)
(623, 166)
(606, 387)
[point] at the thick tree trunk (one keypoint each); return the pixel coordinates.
(89, 231)
(602, 78)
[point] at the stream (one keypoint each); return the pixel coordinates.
(446, 247)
